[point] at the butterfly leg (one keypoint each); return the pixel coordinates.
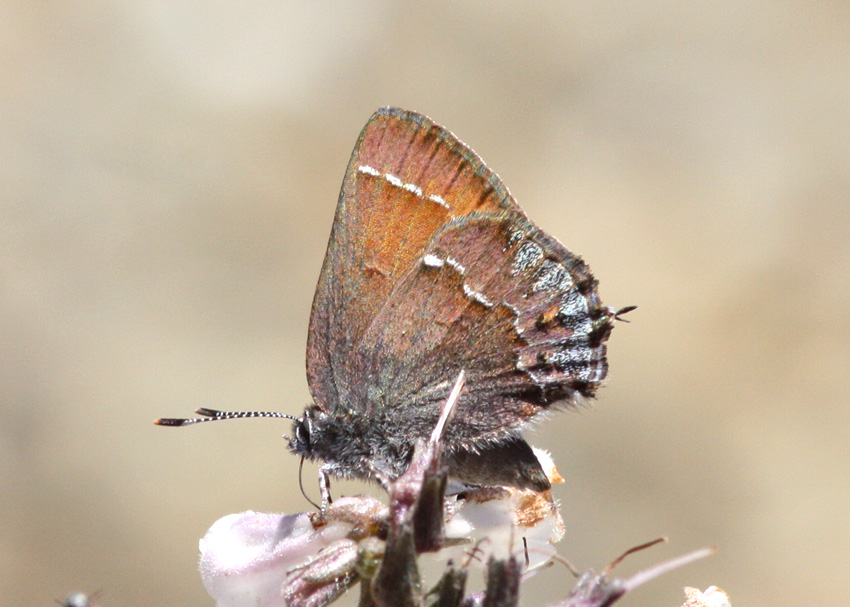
(325, 489)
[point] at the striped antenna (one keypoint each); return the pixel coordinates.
(213, 415)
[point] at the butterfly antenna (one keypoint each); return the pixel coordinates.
(214, 415)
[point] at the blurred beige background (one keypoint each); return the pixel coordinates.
(168, 176)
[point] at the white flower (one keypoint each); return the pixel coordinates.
(502, 517)
(247, 557)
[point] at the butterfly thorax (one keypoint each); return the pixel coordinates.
(350, 445)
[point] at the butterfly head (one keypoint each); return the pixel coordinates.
(349, 445)
(318, 435)
(301, 441)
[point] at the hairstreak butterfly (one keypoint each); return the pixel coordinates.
(433, 268)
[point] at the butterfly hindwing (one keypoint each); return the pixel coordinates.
(496, 297)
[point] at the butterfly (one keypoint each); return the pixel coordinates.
(432, 268)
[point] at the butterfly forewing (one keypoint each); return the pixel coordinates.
(407, 178)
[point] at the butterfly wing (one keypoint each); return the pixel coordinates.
(407, 178)
(497, 297)
(431, 268)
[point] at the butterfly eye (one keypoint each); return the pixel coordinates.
(302, 433)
